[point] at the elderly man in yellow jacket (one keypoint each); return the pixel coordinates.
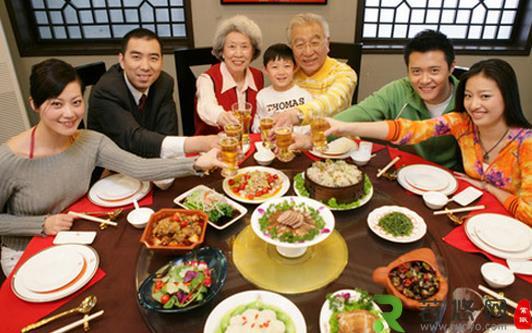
(330, 81)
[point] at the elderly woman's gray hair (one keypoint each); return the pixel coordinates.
(307, 19)
(241, 24)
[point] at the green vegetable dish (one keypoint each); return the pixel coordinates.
(256, 317)
(213, 204)
(182, 285)
(396, 224)
(291, 222)
(299, 184)
(354, 312)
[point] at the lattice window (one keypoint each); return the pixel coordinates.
(461, 20)
(99, 21)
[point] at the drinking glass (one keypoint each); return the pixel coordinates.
(229, 154)
(318, 126)
(466, 305)
(283, 139)
(266, 125)
(234, 131)
(243, 113)
(365, 147)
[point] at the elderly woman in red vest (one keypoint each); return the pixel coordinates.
(236, 43)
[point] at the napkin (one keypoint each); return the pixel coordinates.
(17, 313)
(85, 205)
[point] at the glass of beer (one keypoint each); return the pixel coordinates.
(318, 126)
(243, 114)
(283, 139)
(266, 125)
(234, 131)
(229, 154)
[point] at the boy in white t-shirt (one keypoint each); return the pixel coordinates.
(283, 94)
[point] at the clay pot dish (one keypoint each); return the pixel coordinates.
(381, 276)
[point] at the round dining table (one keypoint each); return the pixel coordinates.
(127, 262)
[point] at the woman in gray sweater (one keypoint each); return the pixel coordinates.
(48, 167)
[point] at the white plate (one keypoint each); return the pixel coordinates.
(504, 233)
(284, 188)
(326, 313)
(229, 304)
(435, 171)
(95, 199)
(241, 209)
(419, 230)
(325, 213)
(116, 187)
(480, 219)
(426, 181)
(362, 201)
(91, 260)
(346, 147)
(50, 270)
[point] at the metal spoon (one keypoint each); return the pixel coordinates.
(84, 308)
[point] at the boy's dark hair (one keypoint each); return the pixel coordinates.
(430, 40)
(49, 78)
(503, 74)
(139, 33)
(278, 51)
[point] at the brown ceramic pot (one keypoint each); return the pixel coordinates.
(381, 276)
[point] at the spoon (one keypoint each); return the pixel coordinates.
(136, 204)
(84, 308)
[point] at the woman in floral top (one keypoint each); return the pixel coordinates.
(494, 136)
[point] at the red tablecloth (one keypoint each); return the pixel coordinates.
(457, 237)
(16, 313)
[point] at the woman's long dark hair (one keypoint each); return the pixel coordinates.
(502, 73)
(49, 78)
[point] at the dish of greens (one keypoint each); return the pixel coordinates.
(397, 224)
(255, 311)
(301, 191)
(351, 311)
(185, 283)
(221, 211)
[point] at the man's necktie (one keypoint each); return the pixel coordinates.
(142, 103)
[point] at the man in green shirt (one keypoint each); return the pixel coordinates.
(426, 92)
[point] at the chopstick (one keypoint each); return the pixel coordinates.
(389, 165)
(459, 210)
(92, 218)
(78, 322)
(497, 296)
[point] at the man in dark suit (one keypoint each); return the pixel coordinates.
(133, 102)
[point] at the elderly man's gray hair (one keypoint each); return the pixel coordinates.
(307, 19)
(241, 24)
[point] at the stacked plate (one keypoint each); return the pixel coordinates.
(55, 272)
(500, 235)
(421, 178)
(338, 149)
(118, 190)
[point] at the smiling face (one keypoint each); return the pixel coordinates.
(281, 73)
(63, 113)
(142, 62)
(237, 54)
(310, 47)
(429, 76)
(483, 101)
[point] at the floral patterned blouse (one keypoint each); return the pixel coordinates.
(511, 170)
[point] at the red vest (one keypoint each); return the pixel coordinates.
(226, 99)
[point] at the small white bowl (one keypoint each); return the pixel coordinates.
(435, 200)
(360, 158)
(497, 275)
(139, 217)
(264, 157)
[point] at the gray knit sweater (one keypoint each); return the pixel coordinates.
(32, 189)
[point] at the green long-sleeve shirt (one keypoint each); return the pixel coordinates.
(400, 97)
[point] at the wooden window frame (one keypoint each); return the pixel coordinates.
(29, 43)
(519, 43)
